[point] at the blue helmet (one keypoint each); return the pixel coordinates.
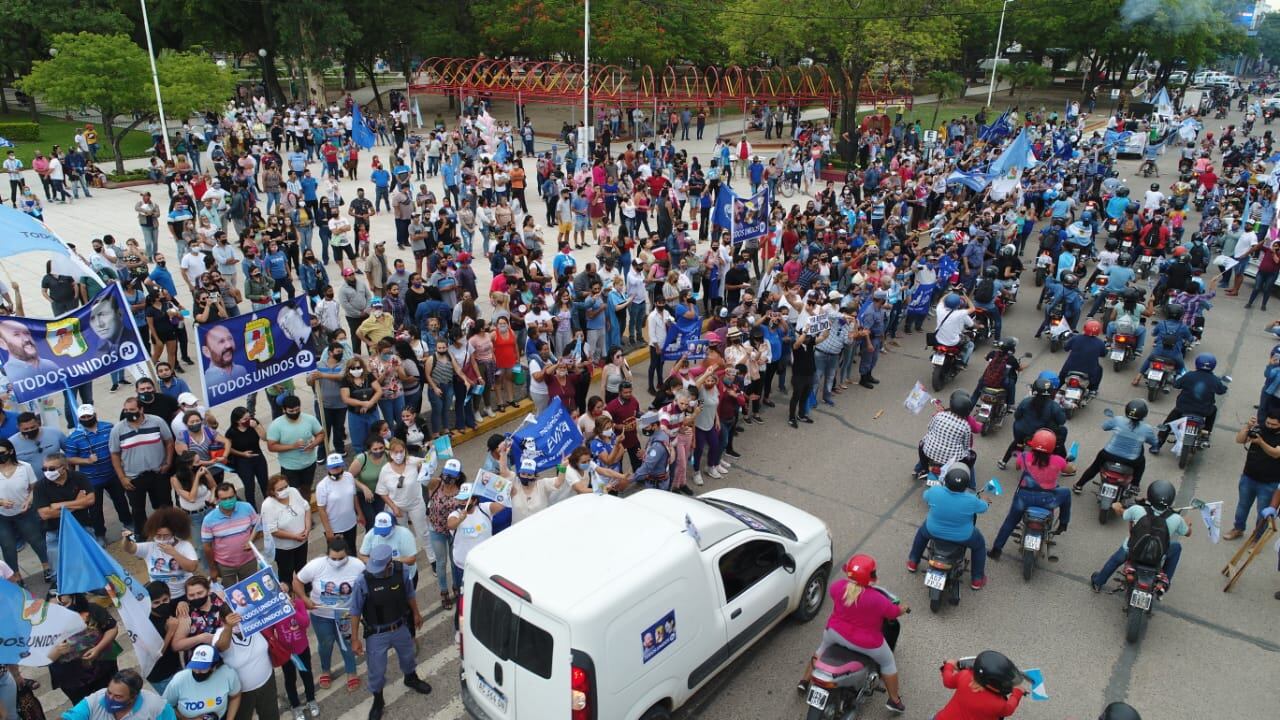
(1206, 361)
(1051, 377)
(953, 302)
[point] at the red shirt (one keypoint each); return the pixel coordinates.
(966, 704)
(621, 412)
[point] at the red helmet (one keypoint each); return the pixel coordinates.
(861, 569)
(1043, 441)
(1180, 251)
(1093, 328)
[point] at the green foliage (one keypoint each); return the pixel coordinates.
(106, 72)
(1024, 75)
(946, 85)
(1268, 39)
(192, 83)
(15, 131)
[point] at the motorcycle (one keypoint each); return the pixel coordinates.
(843, 680)
(1074, 393)
(946, 363)
(1059, 331)
(1148, 168)
(1195, 437)
(1268, 115)
(930, 475)
(946, 563)
(1201, 196)
(1146, 264)
(1159, 377)
(1035, 533)
(991, 409)
(982, 326)
(1124, 345)
(1009, 293)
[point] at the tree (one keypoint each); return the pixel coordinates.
(112, 75)
(947, 86)
(1024, 75)
(1268, 38)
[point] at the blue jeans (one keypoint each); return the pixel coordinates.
(160, 685)
(27, 525)
(1262, 285)
(326, 630)
(440, 407)
(391, 407)
(1022, 499)
(1252, 492)
(1118, 557)
(442, 546)
(976, 543)
(358, 426)
(9, 695)
(826, 364)
(635, 321)
(378, 645)
(381, 195)
(463, 411)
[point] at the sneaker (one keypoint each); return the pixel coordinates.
(299, 714)
(724, 466)
(978, 583)
(1232, 534)
(1077, 489)
(897, 707)
(697, 479)
(995, 553)
(733, 454)
(314, 709)
(114, 387)
(714, 473)
(48, 576)
(912, 566)
(1002, 464)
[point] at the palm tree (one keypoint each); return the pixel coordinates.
(947, 85)
(1024, 75)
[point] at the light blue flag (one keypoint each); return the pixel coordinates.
(6, 143)
(1016, 156)
(83, 566)
(1074, 451)
(360, 132)
(993, 487)
(21, 233)
(1036, 676)
(974, 180)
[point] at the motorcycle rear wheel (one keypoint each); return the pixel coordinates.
(1028, 564)
(1184, 457)
(1152, 392)
(1135, 625)
(1104, 515)
(939, 377)
(935, 600)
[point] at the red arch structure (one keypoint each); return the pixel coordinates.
(686, 85)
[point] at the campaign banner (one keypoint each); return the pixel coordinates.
(697, 349)
(658, 636)
(250, 352)
(548, 439)
(260, 601)
(680, 335)
(32, 626)
(751, 217)
(493, 487)
(44, 357)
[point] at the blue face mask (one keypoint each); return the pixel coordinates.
(114, 706)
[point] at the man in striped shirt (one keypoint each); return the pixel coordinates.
(88, 449)
(142, 455)
(227, 533)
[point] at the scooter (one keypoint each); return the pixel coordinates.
(1199, 200)
(843, 680)
(1035, 533)
(946, 363)
(945, 565)
(1115, 484)
(1146, 263)
(1059, 332)
(1124, 345)
(1044, 262)
(1074, 393)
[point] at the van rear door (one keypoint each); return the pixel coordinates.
(487, 653)
(544, 666)
(519, 658)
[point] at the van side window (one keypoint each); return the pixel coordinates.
(743, 566)
(507, 636)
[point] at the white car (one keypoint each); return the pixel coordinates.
(1178, 77)
(622, 608)
(1272, 102)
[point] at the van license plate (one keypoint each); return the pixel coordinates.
(490, 693)
(1117, 354)
(1140, 600)
(1031, 542)
(1156, 375)
(938, 358)
(1108, 492)
(817, 697)
(935, 579)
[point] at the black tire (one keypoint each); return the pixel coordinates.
(935, 600)
(1184, 457)
(658, 712)
(953, 592)
(1104, 516)
(986, 428)
(1152, 392)
(1028, 564)
(939, 377)
(1069, 412)
(1117, 365)
(1135, 625)
(812, 596)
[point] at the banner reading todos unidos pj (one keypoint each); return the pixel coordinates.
(43, 357)
(250, 352)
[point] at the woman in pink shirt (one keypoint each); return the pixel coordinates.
(290, 635)
(857, 623)
(1037, 486)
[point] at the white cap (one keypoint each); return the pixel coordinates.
(86, 410)
(528, 466)
(335, 460)
(187, 398)
(453, 467)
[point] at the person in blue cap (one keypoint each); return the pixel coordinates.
(382, 606)
(872, 319)
(206, 688)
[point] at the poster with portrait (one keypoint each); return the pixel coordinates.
(260, 601)
(658, 636)
(751, 217)
(44, 357)
(250, 352)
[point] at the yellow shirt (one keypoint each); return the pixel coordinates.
(375, 328)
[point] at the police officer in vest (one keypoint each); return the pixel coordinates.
(383, 602)
(872, 319)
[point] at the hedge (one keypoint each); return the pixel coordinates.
(25, 131)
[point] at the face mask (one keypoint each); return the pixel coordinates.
(5, 457)
(195, 428)
(31, 434)
(584, 466)
(397, 457)
(607, 433)
(357, 372)
(146, 397)
(351, 282)
(377, 313)
(338, 564)
(167, 540)
(377, 453)
(282, 495)
(53, 474)
(526, 480)
(114, 706)
(228, 505)
(201, 676)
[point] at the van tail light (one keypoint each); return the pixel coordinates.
(461, 618)
(580, 702)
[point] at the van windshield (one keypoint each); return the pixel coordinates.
(751, 518)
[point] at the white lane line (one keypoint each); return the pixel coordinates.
(452, 711)
(395, 689)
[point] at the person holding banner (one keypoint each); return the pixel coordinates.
(86, 661)
(249, 657)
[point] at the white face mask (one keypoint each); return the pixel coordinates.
(397, 457)
(338, 564)
(283, 495)
(52, 474)
(357, 372)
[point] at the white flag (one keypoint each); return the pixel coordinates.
(135, 611)
(1211, 513)
(1177, 428)
(917, 399)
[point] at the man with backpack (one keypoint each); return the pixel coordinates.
(984, 297)
(1152, 527)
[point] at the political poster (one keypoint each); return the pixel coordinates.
(751, 217)
(32, 626)
(259, 600)
(44, 357)
(658, 636)
(250, 352)
(548, 439)
(493, 487)
(697, 349)
(679, 336)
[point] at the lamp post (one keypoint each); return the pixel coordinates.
(155, 80)
(586, 83)
(995, 63)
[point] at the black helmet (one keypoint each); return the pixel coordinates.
(961, 403)
(996, 672)
(1133, 206)
(1123, 191)
(1160, 494)
(1133, 295)
(1009, 344)
(1125, 260)
(1041, 387)
(957, 477)
(1135, 409)
(1173, 310)
(1119, 711)
(990, 272)
(1112, 244)
(1155, 187)
(1070, 280)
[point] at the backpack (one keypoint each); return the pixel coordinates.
(985, 292)
(1129, 226)
(994, 375)
(1149, 539)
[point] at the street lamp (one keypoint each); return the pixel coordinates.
(587, 125)
(53, 52)
(995, 63)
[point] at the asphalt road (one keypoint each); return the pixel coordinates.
(1204, 654)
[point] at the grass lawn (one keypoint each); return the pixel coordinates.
(56, 131)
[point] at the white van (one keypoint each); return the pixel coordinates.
(606, 608)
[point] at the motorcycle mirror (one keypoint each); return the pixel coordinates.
(1226, 378)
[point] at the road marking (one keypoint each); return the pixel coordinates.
(452, 711)
(392, 692)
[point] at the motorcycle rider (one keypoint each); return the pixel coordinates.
(1033, 413)
(1002, 369)
(1175, 274)
(1037, 487)
(1008, 264)
(949, 436)
(1129, 311)
(953, 511)
(1119, 711)
(1125, 444)
(1154, 238)
(1119, 276)
(1107, 257)
(955, 315)
(1198, 389)
(859, 612)
(987, 691)
(1064, 298)
(985, 293)
(1160, 497)
(1169, 338)
(1084, 353)
(1152, 199)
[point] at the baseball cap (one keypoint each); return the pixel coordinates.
(187, 398)
(202, 658)
(383, 523)
(464, 257)
(880, 295)
(834, 295)
(528, 466)
(86, 410)
(379, 558)
(335, 460)
(348, 272)
(464, 494)
(453, 468)
(376, 302)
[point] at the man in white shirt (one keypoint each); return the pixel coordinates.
(327, 311)
(954, 315)
(251, 660)
(192, 265)
(1152, 199)
(656, 329)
